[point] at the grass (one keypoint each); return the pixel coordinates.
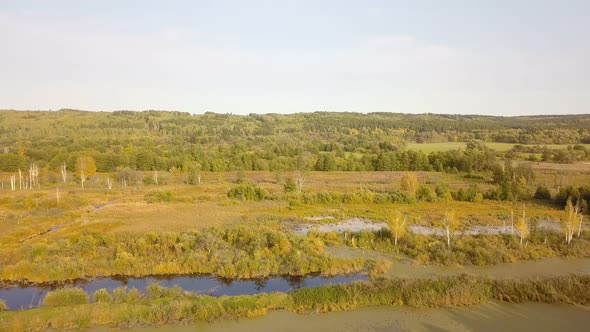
(501, 147)
(64, 297)
(96, 232)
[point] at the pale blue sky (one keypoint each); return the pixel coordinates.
(486, 57)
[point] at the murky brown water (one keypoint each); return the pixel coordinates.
(489, 317)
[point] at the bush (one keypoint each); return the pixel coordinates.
(478, 198)
(248, 192)
(290, 186)
(102, 296)
(542, 192)
(160, 197)
(426, 194)
(66, 296)
(3, 306)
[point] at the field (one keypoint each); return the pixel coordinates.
(26, 213)
(502, 147)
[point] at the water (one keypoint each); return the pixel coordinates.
(32, 296)
(359, 224)
(350, 225)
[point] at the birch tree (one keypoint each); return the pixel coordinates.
(85, 167)
(299, 181)
(570, 223)
(398, 225)
(449, 223)
(64, 172)
(521, 226)
(155, 177)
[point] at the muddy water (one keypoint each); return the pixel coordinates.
(489, 317)
(403, 267)
(350, 225)
(360, 224)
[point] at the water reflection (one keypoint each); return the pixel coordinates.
(30, 296)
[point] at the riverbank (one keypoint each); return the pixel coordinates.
(173, 306)
(489, 317)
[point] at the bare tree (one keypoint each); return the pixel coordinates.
(64, 172)
(569, 224)
(299, 180)
(13, 182)
(109, 183)
(155, 177)
(33, 175)
(521, 226)
(57, 195)
(512, 221)
(20, 179)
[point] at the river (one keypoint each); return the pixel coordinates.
(32, 296)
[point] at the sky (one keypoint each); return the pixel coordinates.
(462, 57)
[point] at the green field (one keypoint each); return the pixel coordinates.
(502, 147)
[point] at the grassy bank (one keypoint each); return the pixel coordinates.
(466, 250)
(237, 253)
(159, 306)
(243, 252)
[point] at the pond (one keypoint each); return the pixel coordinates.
(31, 296)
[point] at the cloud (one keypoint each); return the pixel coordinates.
(53, 61)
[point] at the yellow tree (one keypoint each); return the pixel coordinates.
(410, 183)
(397, 224)
(85, 167)
(571, 222)
(521, 226)
(449, 223)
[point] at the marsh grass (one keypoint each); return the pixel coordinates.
(65, 297)
(161, 305)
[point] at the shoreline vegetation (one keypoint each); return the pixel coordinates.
(244, 253)
(125, 308)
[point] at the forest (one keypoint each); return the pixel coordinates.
(183, 142)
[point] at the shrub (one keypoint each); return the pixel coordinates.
(290, 186)
(160, 197)
(102, 296)
(478, 198)
(3, 306)
(542, 192)
(426, 194)
(66, 296)
(247, 191)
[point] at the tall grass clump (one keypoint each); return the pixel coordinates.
(3, 305)
(65, 297)
(102, 296)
